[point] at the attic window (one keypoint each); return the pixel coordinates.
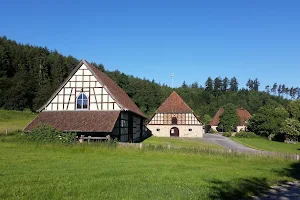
(82, 102)
(158, 129)
(190, 129)
(174, 120)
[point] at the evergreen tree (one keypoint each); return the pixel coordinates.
(209, 84)
(267, 88)
(233, 85)
(217, 84)
(250, 84)
(184, 85)
(274, 88)
(195, 85)
(225, 84)
(279, 90)
(256, 84)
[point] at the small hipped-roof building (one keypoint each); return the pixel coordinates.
(90, 103)
(174, 118)
(242, 114)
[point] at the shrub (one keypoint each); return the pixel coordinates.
(227, 134)
(244, 134)
(50, 134)
(213, 131)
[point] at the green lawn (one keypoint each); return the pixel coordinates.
(33, 171)
(264, 144)
(182, 142)
(14, 120)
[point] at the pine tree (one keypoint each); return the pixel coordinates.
(225, 84)
(274, 88)
(234, 86)
(184, 85)
(217, 84)
(256, 84)
(209, 84)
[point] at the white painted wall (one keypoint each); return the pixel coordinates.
(83, 81)
(214, 128)
(240, 128)
(164, 130)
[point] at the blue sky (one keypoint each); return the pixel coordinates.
(154, 38)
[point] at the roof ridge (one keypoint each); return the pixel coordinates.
(174, 104)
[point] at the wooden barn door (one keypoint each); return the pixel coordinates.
(174, 132)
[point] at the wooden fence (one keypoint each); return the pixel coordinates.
(82, 138)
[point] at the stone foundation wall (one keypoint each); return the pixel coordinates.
(164, 130)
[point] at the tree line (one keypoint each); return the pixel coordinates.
(30, 74)
(225, 84)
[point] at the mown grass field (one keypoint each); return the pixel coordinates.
(182, 142)
(14, 120)
(52, 171)
(264, 144)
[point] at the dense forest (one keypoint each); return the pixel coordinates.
(30, 74)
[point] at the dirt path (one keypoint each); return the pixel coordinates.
(288, 191)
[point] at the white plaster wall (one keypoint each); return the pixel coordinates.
(197, 130)
(214, 128)
(240, 128)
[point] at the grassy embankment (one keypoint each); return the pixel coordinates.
(49, 171)
(264, 144)
(14, 120)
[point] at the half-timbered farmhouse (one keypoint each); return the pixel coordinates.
(242, 114)
(92, 104)
(174, 118)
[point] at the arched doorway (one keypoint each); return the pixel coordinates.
(174, 132)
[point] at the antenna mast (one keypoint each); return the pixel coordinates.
(172, 76)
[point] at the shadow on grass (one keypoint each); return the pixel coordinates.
(237, 189)
(244, 188)
(292, 171)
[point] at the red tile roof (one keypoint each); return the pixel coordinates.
(116, 91)
(77, 121)
(242, 113)
(174, 104)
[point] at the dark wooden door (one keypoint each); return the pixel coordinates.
(174, 132)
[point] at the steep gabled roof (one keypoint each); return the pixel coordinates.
(116, 92)
(242, 113)
(244, 116)
(83, 121)
(174, 104)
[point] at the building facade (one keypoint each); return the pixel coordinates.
(174, 118)
(89, 102)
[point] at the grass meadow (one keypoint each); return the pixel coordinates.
(14, 120)
(264, 144)
(182, 142)
(196, 170)
(95, 171)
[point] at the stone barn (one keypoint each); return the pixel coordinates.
(174, 118)
(90, 103)
(242, 114)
